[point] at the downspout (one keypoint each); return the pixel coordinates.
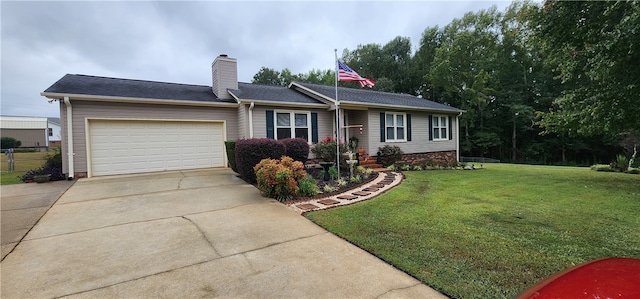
(458, 136)
(251, 119)
(67, 103)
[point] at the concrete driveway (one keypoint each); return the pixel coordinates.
(189, 234)
(22, 205)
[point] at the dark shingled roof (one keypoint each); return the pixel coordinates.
(260, 92)
(371, 97)
(115, 87)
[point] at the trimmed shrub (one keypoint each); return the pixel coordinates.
(390, 154)
(230, 146)
(9, 142)
(296, 148)
(249, 152)
(52, 167)
(55, 160)
(279, 178)
(308, 186)
(602, 167)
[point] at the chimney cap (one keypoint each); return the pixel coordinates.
(224, 55)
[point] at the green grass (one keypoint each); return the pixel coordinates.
(23, 163)
(494, 232)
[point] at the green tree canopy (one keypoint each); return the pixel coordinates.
(539, 83)
(594, 48)
(270, 76)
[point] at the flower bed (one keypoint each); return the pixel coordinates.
(317, 174)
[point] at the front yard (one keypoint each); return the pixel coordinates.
(494, 232)
(23, 163)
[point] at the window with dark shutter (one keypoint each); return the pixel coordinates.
(270, 124)
(395, 126)
(314, 127)
(382, 127)
(284, 124)
(430, 127)
(439, 127)
(450, 128)
(408, 127)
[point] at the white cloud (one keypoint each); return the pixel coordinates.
(177, 41)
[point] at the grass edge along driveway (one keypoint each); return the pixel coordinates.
(494, 232)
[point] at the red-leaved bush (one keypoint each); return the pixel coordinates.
(296, 148)
(279, 178)
(249, 152)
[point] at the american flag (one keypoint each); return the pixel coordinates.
(346, 74)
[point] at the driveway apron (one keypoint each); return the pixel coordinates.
(189, 234)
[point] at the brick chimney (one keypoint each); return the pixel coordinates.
(224, 73)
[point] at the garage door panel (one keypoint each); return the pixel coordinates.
(119, 147)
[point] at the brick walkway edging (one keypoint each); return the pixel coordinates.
(384, 182)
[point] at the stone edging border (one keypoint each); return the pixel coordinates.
(384, 182)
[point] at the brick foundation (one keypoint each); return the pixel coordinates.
(447, 158)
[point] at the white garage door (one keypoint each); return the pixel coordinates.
(119, 147)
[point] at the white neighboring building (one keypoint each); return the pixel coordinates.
(40, 132)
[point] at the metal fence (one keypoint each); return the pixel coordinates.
(22, 159)
(479, 160)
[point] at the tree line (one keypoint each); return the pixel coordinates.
(550, 83)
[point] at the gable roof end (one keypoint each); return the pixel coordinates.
(273, 95)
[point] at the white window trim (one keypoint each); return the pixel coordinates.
(292, 121)
(440, 127)
(395, 126)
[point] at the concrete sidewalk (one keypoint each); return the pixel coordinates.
(190, 234)
(22, 206)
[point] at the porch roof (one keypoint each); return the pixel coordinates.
(371, 98)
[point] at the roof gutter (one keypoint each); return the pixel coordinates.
(347, 104)
(282, 104)
(70, 153)
(112, 99)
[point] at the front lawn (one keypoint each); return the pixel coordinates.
(494, 232)
(23, 163)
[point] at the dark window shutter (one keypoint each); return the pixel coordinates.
(270, 124)
(430, 127)
(314, 127)
(450, 128)
(382, 127)
(408, 127)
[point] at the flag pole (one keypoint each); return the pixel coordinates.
(337, 117)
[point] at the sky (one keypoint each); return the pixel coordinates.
(177, 41)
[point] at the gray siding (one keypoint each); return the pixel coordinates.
(27, 137)
(359, 117)
(243, 122)
(325, 126)
(419, 143)
(84, 109)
